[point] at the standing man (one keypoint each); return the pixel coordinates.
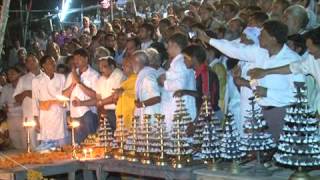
(80, 87)
(176, 78)
(110, 79)
(275, 92)
(309, 65)
(46, 108)
(23, 92)
(147, 90)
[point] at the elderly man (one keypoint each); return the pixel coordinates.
(147, 89)
(296, 18)
(126, 94)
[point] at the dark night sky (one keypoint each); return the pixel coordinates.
(51, 4)
(14, 17)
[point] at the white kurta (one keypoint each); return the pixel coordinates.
(25, 84)
(53, 125)
(105, 86)
(88, 78)
(147, 88)
(178, 77)
(17, 132)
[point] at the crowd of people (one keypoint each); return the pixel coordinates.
(134, 66)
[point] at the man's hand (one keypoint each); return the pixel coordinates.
(161, 79)
(75, 76)
(117, 92)
(76, 102)
(241, 82)
(179, 93)
(138, 103)
(261, 91)
(27, 93)
(201, 35)
(257, 73)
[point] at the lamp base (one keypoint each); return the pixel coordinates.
(300, 175)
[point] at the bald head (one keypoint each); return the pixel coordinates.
(142, 57)
(154, 57)
(296, 18)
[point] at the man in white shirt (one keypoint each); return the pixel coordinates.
(275, 92)
(110, 79)
(146, 34)
(49, 111)
(309, 65)
(23, 92)
(147, 90)
(176, 78)
(80, 86)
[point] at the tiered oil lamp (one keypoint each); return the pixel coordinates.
(105, 136)
(131, 145)
(146, 154)
(120, 139)
(161, 161)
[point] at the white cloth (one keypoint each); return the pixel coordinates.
(146, 45)
(147, 88)
(17, 132)
(252, 33)
(53, 125)
(311, 66)
(280, 88)
(234, 102)
(105, 86)
(89, 78)
(178, 77)
(6, 99)
(25, 84)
